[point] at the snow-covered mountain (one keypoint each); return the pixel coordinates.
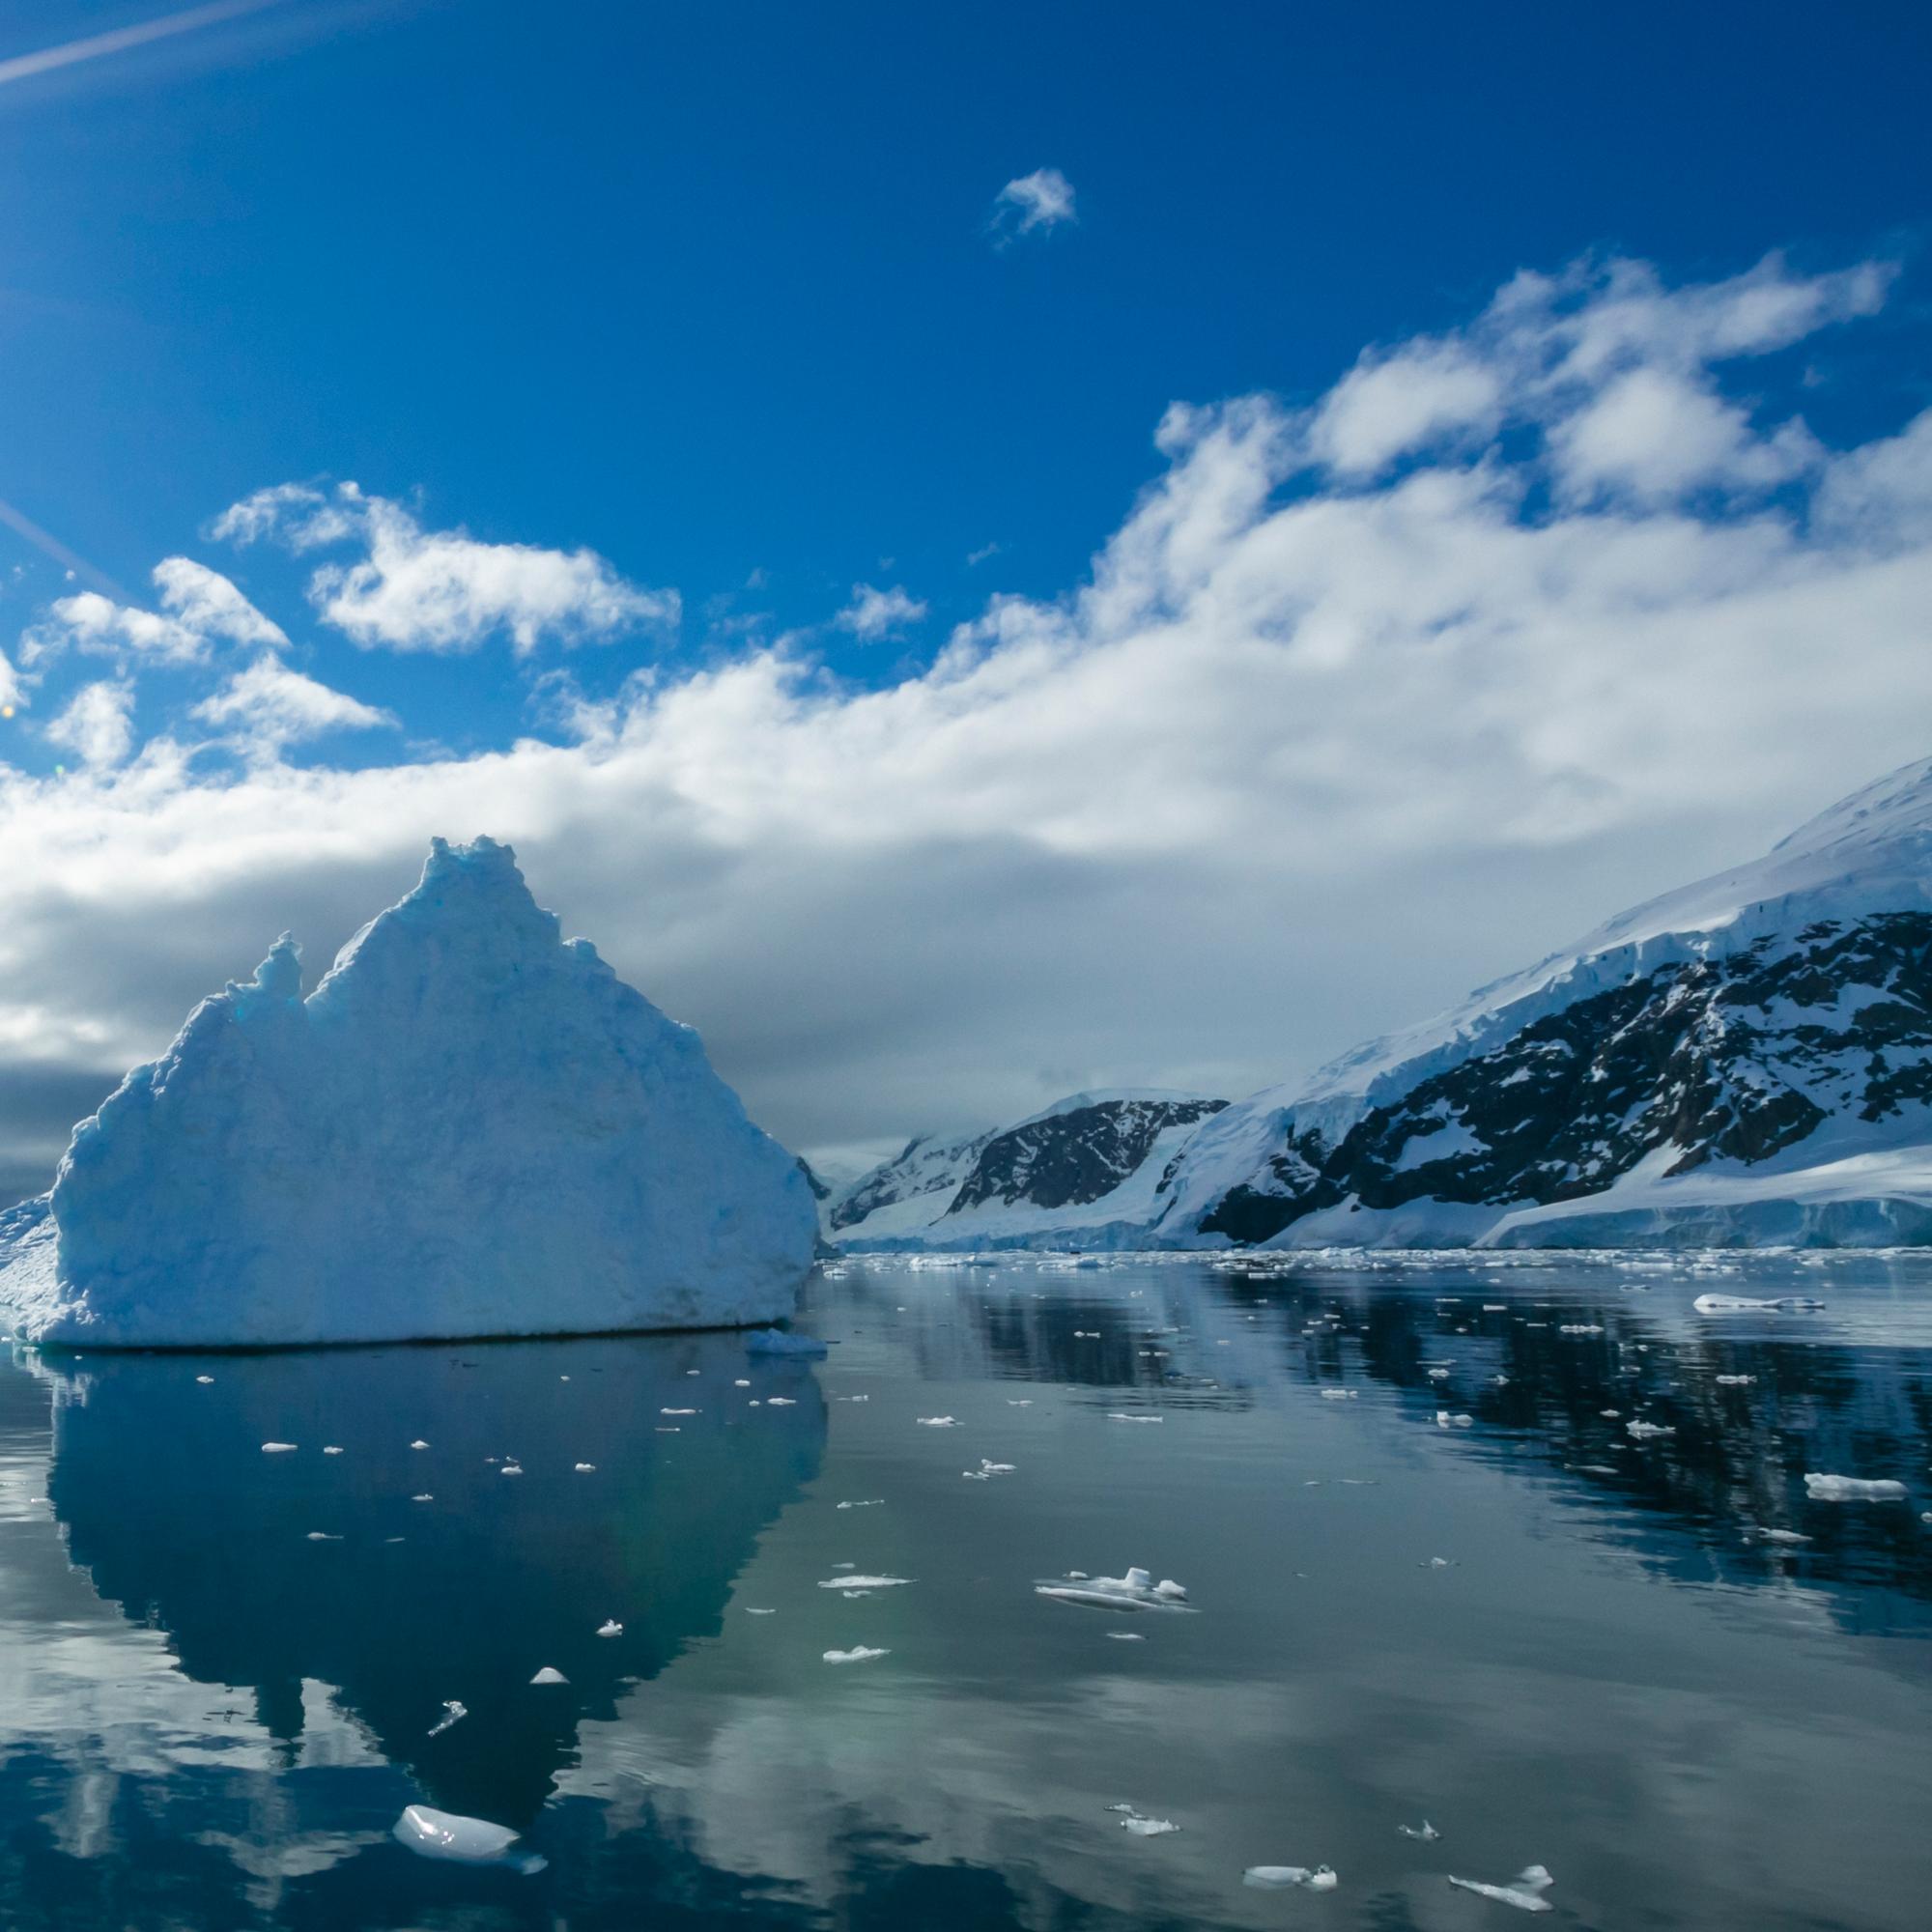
(1746, 1060)
(1080, 1173)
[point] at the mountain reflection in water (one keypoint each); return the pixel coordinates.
(1462, 1590)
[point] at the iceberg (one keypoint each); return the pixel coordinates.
(470, 1127)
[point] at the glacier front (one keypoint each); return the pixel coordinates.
(470, 1127)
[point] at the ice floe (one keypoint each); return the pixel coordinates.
(469, 1842)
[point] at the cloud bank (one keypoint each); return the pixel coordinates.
(1366, 700)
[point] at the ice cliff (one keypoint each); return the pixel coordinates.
(470, 1127)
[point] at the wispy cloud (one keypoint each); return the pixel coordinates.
(200, 608)
(874, 613)
(123, 40)
(268, 707)
(442, 590)
(1040, 200)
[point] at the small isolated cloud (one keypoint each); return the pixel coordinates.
(874, 613)
(1042, 199)
(442, 590)
(269, 706)
(975, 557)
(98, 725)
(9, 683)
(207, 602)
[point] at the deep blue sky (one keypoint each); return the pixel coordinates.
(708, 287)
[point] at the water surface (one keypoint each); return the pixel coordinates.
(1434, 1575)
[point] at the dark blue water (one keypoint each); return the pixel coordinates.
(220, 1669)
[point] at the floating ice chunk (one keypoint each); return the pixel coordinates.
(467, 1841)
(322, 1536)
(1852, 1489)
(585, 1468)
(511, 1469)
(857, 1653)
(1127, 1637)
(1579, 1327)
(1336, 1395)
(780, 1342)
(1437, 1563)
(1777, 1535)
(550, 1675)
(278, 1448)
(739, 1382)
(865, 1582)
(1278, 1878)
(1025, 1402)
(1135, 1591)
(425, 1497)
(750, 1613)
(937, 1422)
(1746, 1304)
(1148, 1827)
(1646, 1432)
(204, 1380)
(1120, 1415)
(420, 1444)
(864, 1503)
(453, 1713)
(1735, 1381)
(610, 1627)
(1438, 1375)
(780, 1401)
(677, 1411)
(1426, 1832)
(1525, 1891)
(1444, 1420)
(332, 1450)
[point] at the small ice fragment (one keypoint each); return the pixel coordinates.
(1745, 1304)
(749, 1612)
(1444, 1420)
(1437, 1563)
(204, 1380)
(1024, 1403)
(610, 1627)
(453, 1713)
(677, 1411)
(278, 1448)
(585, 1468)
(1736, 1381)
(468, 1842)
(425, 1497)
(845, 1566)
(1126, 1636)
(694, 1371)
(780, 1401)
(1334, 1395)
(1120, 1416)
(864, 1503)
(857, 1653)
(1135, 1591)
(780, 1342)
(741, 1383)
(1525, 1891)
(1438, 1375)
(1149, 1828)
(1778, 1535)
(419, 1444)
(936, 1422)
(1277, 1878)
(332, 1450)
(550, 1675)
(1645, 1432)
(1426, 1832)
(322, 1536)
(511, 1469)
(865, 1582)
(1852, 1489)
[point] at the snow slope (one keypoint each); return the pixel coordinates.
(470, 1127)
(1723, 1063)
(1082, 1173)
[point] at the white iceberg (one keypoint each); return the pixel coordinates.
(467, 1841)
(857, 1653)
(1135, 1591)
(1525, 1891)
(470, 1127)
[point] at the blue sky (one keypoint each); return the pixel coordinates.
(722, 302)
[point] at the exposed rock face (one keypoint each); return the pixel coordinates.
(1749, 1058)
(1080, 1174)
(470, 1127)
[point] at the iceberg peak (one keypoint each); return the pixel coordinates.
(471, 1126)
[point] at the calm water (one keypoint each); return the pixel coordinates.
(219, 1668)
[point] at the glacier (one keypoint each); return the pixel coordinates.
(470, 1127)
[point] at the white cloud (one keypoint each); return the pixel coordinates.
(98, 724)
(10, 693)
(874, 613)
(268, 707)
(442, 590)
(206, 602)
(1311, 750)
(1387, 406)
(1042, 199)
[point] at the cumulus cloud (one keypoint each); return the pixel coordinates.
(208, 604)
(1040, 200)
(1364, 701)
(10, 693)
(874, 613)
(269, 707)
(442, 590)
(200, 608)
(98, 724)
